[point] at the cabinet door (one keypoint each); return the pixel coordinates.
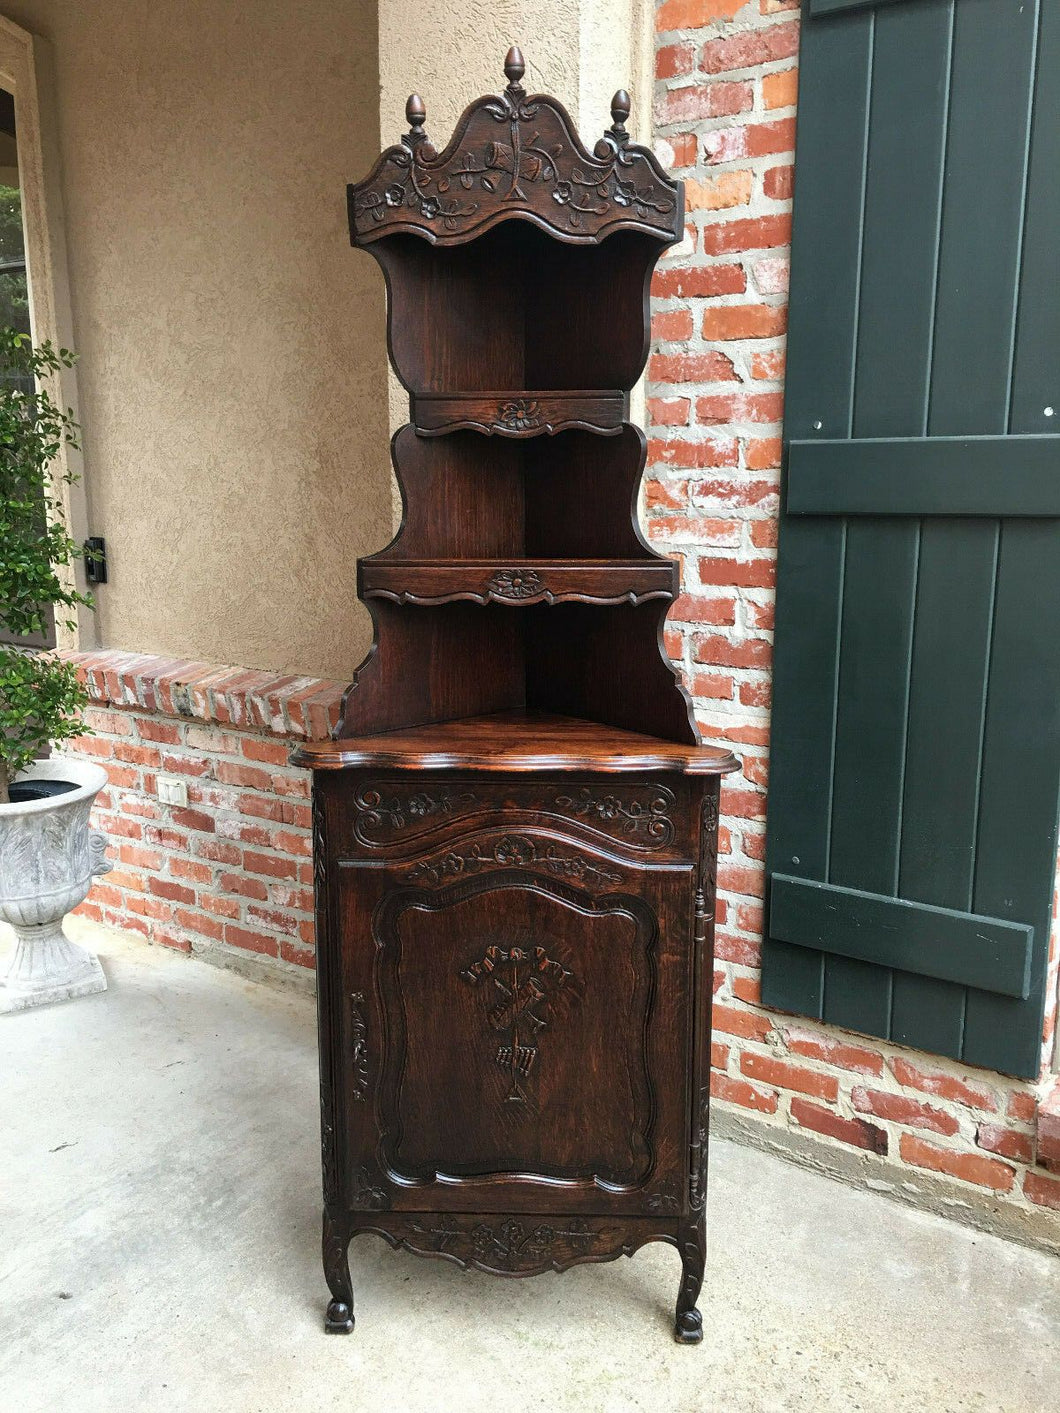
(524, 1026)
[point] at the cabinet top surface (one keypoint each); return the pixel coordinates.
(515, 155)
(515, 741)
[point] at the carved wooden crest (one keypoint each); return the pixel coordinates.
(515, 155)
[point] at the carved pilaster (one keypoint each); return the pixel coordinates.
(706, 892)
(326, 1022)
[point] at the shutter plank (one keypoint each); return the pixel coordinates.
(982, 216)
(870, 746)
(903, 163)
(1036, 381)
(1021, 764)
(946, 703)
(1016, 853)
(969, 393)
(826, 245)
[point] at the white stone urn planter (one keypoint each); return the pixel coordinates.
(48, 859)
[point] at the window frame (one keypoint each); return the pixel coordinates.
(26, 73)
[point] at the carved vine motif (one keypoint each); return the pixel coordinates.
(328, 1157)
(319, 845)
(649, 816)
(515, 584)
(510, 1244)
(704, 911)
(364, 1195)
(512, 851)
(518, 414)
(709, 849)
(697, 1174)
(327, 1143)
(358, 1048)
(524, 983)
(534, 156)
(380, 813)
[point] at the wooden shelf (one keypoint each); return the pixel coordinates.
(518, 582)
(519, 412)
(515, 741)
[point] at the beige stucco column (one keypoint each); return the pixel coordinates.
(579, 50)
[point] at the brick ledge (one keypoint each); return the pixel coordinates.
(303, 707)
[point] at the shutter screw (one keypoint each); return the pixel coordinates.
(1049, 411)
(817, 426)
(795, 859)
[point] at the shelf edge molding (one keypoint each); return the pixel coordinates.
(513, 742)
(519, 583)
(518, 414)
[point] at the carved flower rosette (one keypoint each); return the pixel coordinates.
(514, 155)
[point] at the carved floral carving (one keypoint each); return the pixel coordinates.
(511, 851)
(515, 584)
(648, 815)
(514, 152)
(518, 414)
(509, 1244)
(664, 1200)
(383, 809)
(365, 1195)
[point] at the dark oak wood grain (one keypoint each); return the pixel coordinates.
(515, 826)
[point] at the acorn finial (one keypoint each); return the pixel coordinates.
(416, 114)
(620, 106)
(514, 65)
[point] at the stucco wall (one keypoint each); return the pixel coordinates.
(232, 378)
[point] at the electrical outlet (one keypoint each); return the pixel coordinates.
(172, 791)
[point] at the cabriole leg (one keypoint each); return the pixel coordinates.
(692, 1243)
(335, 1246)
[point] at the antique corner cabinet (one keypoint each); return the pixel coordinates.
(515, 824)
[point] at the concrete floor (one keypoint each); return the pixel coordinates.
(158, 1251)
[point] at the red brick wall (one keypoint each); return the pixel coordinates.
(725, 122)
(234, 868)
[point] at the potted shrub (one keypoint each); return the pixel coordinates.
(48, 854)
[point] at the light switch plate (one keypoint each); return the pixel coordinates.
(172, 791)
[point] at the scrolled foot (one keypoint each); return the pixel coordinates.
(336, 1240)
(688, 1327)
(692, 1243)
(339, 1318)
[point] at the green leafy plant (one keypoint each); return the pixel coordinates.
(40, 697)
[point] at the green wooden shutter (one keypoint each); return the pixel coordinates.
(915, 764)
